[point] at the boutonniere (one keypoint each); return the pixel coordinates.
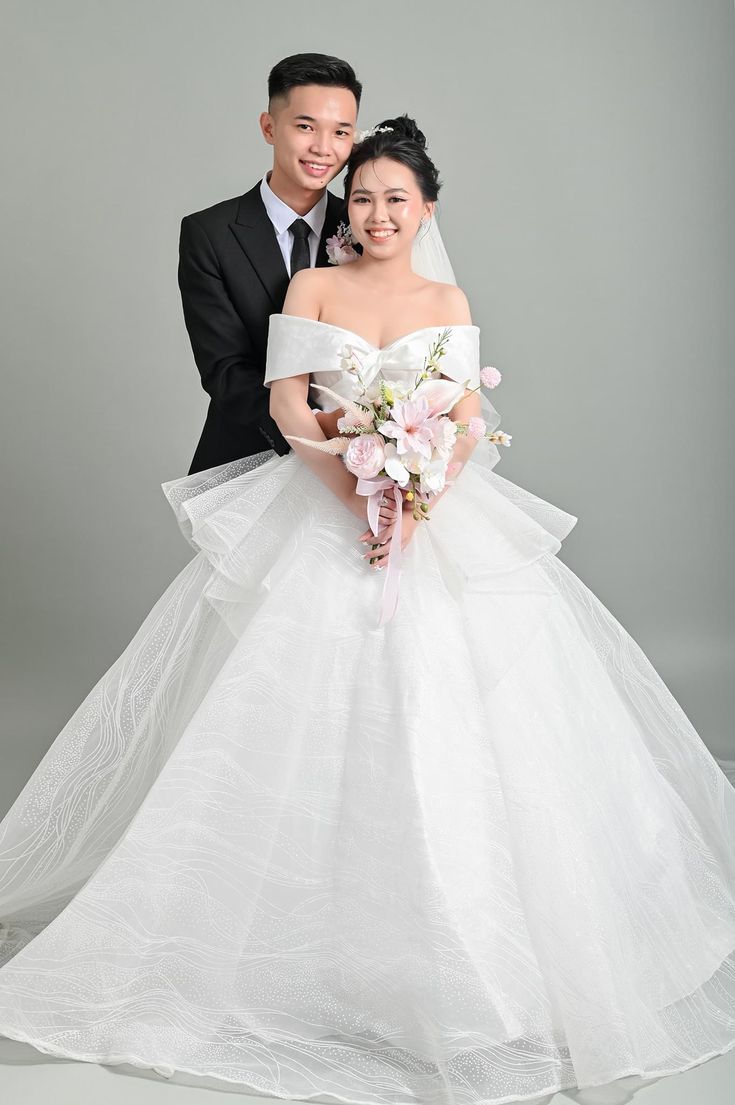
(339, 247)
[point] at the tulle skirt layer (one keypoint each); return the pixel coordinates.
(476, 855)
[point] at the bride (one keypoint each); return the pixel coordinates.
(471, 852)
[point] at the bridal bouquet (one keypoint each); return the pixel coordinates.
(398, 441)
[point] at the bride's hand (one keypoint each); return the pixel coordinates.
(382, 541)
(386, 518)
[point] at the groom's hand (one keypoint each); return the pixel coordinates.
(328, 421)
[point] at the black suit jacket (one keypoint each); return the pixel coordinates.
(232, 277)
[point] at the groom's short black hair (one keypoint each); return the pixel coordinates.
(311, 69)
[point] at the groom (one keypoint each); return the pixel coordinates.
(237, 257)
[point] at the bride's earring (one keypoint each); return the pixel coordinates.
(422, 223)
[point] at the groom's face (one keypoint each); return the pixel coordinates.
(311, 131)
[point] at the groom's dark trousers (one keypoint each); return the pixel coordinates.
(232, 277)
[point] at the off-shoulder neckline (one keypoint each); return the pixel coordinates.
(382, 348)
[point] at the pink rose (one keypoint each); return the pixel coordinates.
(476, 428)
(365, 456)
(490, 377)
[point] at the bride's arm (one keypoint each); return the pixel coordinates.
(468, 407)
(458, 309)
(292, 413)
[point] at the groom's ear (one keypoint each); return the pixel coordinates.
(266, 122)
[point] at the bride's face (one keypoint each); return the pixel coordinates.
(385, 207)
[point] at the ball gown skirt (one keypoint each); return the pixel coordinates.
(476, 855)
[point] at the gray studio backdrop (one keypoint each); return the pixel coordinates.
(587, 154)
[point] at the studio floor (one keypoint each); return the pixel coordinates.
(29, 1078)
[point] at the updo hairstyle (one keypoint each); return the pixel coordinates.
(404, 143)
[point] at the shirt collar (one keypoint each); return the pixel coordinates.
(281, 215)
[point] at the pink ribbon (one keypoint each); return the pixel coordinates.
(374, 489)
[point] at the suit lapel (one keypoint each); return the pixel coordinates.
(254, 231)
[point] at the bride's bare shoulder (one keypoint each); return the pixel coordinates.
(305, 294)
(450, 303)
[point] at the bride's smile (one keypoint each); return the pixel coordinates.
(381, 235)
(385, 208)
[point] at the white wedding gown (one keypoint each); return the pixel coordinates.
(474, 856)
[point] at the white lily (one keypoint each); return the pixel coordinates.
(394, 466)
(441, 395)
(433, 476)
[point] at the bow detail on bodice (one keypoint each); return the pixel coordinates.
(333, 355)
(401, 362)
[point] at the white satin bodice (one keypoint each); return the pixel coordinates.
(299, 345)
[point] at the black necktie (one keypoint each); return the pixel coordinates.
(300, 253)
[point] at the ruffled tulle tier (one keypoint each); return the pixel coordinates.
(476, 855)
